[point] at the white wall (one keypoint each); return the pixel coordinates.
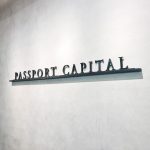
(108, 115)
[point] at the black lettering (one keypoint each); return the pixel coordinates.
(46, 72)
(40, 73)
(91, 66)
(25, 76)
(74, 69)
(99, 62)
(121, 63)
(29, 73)
(53, 70)
(64, 70)
(16, 76)
(33, 73)
(83, 67)
(110, 65)
(20, 76)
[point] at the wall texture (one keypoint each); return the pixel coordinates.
(108, 115)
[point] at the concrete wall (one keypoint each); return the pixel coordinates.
(108, 115)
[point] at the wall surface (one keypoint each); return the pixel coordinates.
(104, 115)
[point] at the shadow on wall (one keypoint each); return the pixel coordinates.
(110, 77)
(9, 7)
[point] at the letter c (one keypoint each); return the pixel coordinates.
(64, 70)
